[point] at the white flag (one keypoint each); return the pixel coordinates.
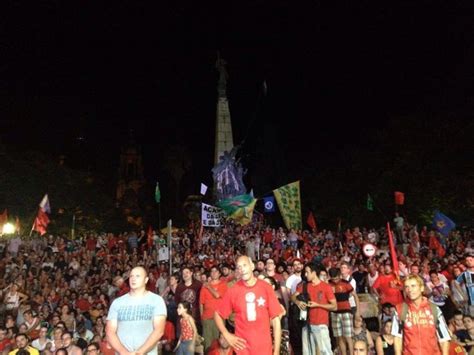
(44, 204)
(203, 189)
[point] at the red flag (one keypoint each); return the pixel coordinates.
(41, 222)
(4, 217)
(434, 244)
(399, 198)
(311, 221)
(393, 253)
(149, 237)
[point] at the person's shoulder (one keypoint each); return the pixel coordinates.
(325, 286)
(124, 298)
(154, 296)
(263, 284)
(197, 284)
(33, 351)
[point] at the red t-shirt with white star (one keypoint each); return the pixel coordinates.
(254, 307)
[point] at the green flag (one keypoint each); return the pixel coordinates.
(239, 208)
(370, 203)
(288, 198)
(157, 193)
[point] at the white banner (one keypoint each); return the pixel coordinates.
(212, 216)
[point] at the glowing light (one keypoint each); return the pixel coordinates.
(8, 228)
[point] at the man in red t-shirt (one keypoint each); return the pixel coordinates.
(5, 342)
(209, 299)
(255, 306)
(321, 300)
(388, 287)
(267, 236)
(83, 303)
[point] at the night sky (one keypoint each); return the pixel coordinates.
(76, 76)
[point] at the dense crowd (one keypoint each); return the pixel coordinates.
(57, 291)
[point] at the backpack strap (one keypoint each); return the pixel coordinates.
(403, 312)
(435, 313)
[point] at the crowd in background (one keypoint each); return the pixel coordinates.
(56, 291)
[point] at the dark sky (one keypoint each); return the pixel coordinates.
(334, 71)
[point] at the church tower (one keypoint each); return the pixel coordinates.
(224, 139)
(130, 175)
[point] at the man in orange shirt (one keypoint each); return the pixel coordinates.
(388, 287)
(209, 299)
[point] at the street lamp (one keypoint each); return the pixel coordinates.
(8, 228)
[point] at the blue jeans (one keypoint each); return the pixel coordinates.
(184, 348)
(318, 338)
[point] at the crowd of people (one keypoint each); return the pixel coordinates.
(248, 289)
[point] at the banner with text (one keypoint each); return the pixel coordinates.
(289, 201)
(212, 216)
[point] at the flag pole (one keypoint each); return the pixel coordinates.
(33, 226)
(393, 252)
(169, 246)
(159, 215)
(73, 226)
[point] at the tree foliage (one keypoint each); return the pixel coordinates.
(26, 177)
(427, 158)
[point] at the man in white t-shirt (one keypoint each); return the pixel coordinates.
(290, 287)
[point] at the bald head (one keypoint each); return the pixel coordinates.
(245, 266)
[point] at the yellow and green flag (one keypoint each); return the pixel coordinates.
(289, 202)
(239, 208)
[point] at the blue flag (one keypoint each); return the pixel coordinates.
(269, 203)
(442, 223)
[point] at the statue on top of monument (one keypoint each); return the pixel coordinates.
(228, 176)
(222, 85)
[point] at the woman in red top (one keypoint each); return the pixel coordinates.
(188, 330)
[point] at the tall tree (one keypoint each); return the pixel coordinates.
(177, 162)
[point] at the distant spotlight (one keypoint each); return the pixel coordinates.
(8, 228)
